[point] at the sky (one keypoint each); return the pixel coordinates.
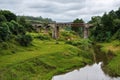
(60, 10)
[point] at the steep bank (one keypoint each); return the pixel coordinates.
(113, 66)
(41, 61)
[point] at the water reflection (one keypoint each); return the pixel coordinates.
(93, 72)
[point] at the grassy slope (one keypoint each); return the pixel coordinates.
(41, 61)
(114, 65)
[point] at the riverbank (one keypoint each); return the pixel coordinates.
(42, 60)
(113, 66)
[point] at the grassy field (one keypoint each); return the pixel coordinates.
(113, 67)
(41, 61)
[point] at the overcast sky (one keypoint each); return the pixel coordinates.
(60, 10)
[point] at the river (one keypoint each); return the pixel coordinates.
(89, 72)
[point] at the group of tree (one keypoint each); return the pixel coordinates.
(106, 27)
(39, 19)
(12, 27)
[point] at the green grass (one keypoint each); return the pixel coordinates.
(41, 61)
(113, 67)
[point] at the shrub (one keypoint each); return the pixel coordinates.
(16, 28)
(4, 45)
(8, 15)
(24, 40)
(43, 37)
(74, 43)
(83, 43)
(116, 35)
(67, 35)
(4, 32)
(2, 18)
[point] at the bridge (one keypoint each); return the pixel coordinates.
(56, 27)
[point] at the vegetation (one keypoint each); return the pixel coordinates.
(36, 62)
(106, 27)
(26, 55)
(11, 29)
(113, 65)
(78, 29)
(7, 15)
(24, 40)
(107, 30)
(37, 19)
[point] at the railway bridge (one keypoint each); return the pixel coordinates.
(56, 27)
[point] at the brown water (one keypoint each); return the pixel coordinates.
(89, 72)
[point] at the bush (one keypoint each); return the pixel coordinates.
(8, 15)
(24, 40)
(116, 35)
(16, 28)
(4, 45)
(74, 43)
(43, 37)
(4, 32)
(2, 18)
(83, 43)
(67, 35)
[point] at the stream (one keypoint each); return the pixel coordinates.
(89, 72)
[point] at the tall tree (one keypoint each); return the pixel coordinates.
(9, 15)
(2, 18)
(118, 13)
(4, 32)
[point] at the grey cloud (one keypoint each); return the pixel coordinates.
(11, 2)
(68, 1)
(60, 10)
(56, 8)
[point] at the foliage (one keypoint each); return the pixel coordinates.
(23, 22)
(113, 65)
(32, 19)
(84, 44)
(116, 35)
(24, 40)
(4, 45)
(8, 15)
(105, 27)
(17, 28)
(36, 62)
(4, 32)
(43, 37)
(68, 35)
(2, 18)
(78, 29)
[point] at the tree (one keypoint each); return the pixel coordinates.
(118, 13)
(2, 18)
(18, 29)
(8, 15)
(24, 40)
(106, 27)
(116, 23)
(21, 20)
(4, 32)
(27, 25)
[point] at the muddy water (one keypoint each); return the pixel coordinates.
(89, 72)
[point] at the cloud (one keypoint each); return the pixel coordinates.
(60, 10)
